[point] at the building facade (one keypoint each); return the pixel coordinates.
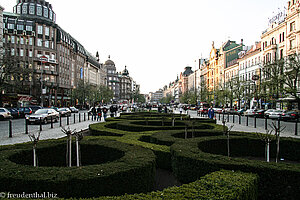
(57, 60)
(112, 78)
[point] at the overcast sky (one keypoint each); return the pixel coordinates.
(156, 39)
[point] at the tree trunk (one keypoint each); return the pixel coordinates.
(277, 152)
(77, 152)
(70, 150)
(228, 147)
(34, 156)
(268, 151)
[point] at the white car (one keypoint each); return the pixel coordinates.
(275, 114)
(44, 116)
(64, 111)
(5, 114)
(250, 112)
(268, 112)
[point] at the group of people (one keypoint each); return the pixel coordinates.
(97, 113)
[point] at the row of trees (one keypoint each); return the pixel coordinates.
(277, 79)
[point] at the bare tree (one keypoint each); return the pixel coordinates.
(266, 138)
(69, 134)
(277, 130)
(35, 139)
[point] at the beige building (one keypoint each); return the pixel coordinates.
(1, 31)
(292, 22)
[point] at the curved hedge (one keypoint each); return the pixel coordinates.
(276, 181)
(133, 171)
(223, 184)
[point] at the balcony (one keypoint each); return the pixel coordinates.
(271, 47)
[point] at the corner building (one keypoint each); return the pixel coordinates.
(30, 33)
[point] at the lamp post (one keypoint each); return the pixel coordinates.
(43, 60)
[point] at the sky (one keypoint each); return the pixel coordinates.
(157, 39)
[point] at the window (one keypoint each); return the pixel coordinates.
(21, 52)
(283, 37)
(51, 14)
(47, 31)
(31, 9)
(19, 9)
(20, 27)
(280, 38)
(28, 28)
(12, 39)
(47, 44)
(39, 42)
(21, 40)
(40, 29)
(46, 12)
(30, 41)
(11, 26)
(39, 10)
(292, 44)
(30, 53)
(24, 10)
(292, 26)
(12, 52)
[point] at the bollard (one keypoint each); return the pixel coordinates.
(26, 126)
(74, 118)
(228, 117)
(60, 120)
(247, 122)
(266, 123)
(51, 121)
(233, 116)
(41, 128)
(279, 123)
(240, 119)
(219, 116)
(296, 127)
(84, 116)
(79, 118)
(10, 128)
(88, 116)
(254, 121)
(68, 123)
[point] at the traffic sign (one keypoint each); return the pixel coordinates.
(43, 59)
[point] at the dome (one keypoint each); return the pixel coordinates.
(188, 70)
(125, 72)
(109, 62)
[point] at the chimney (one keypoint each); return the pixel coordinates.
(242, 41)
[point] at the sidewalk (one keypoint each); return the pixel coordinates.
(54, 133)
(241, 127)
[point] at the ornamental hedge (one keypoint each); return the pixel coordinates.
(223, 184)
(193, 159)
(110, 168)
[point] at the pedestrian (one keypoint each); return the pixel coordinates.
(94, 112)
(180, 110)
(104, 113)
(211, 113)
(166, 109)
(99, 114)
(112, 111)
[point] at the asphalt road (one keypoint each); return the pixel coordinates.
(18, 125)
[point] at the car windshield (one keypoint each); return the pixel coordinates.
(41, 111)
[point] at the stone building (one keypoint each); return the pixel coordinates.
(112, 78)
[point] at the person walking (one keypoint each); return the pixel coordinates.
(94, 112)
(211, 113)
(104, 113)
(99, 114)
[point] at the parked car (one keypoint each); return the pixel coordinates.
(14, 112)
(250, 112)
(35, 108)
(74, 110)
(267, 112)
(260, 113)
(44, 115)
(4, 114)
(290, 115)
(218, 110)
(275, 114)
(64, 112)
(25, 111)
(241, 111)
(202, 111)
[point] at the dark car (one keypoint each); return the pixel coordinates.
(35, 108)
(259, 113)
(14, 112)
(290, 115)
(25, 111)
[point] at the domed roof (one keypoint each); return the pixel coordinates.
(109, 61)
(125, 72)
(188, 70)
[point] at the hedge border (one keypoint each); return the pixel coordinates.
(277, 181)
(132, 173)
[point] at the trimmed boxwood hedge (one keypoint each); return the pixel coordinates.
(132, 172)
(219, 185)
(276, 181)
